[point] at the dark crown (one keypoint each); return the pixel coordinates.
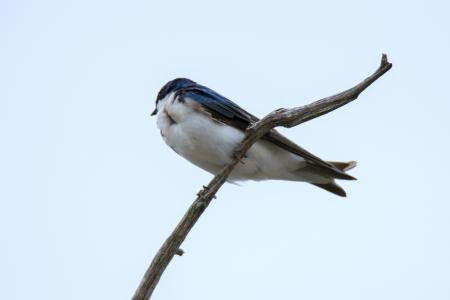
(174, 85)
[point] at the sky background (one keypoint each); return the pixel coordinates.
(89, 191)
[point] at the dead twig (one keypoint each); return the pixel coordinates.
(280, 117)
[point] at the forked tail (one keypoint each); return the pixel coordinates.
(332, 186)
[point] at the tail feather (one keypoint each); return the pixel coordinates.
(343, 166)
(332, 187)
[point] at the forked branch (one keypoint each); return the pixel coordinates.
(281, 117)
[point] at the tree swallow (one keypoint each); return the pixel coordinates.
(204, 127)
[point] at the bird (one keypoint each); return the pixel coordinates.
(205, 127)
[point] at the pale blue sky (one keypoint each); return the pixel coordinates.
(89, 191)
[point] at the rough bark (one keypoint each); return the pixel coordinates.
(280, 117)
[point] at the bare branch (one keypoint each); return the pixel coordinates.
(280, 117)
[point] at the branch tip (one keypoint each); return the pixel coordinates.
(385, 64)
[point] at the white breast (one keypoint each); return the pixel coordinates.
(209, 144)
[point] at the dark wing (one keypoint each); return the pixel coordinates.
(219, 107)
(228, 112)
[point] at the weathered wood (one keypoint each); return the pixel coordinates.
(280, 117)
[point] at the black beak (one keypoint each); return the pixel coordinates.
(154, 112)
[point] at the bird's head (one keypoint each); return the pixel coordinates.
(172, 87)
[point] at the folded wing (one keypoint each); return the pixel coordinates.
(228, 112)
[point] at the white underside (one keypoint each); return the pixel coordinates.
(209, 145)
